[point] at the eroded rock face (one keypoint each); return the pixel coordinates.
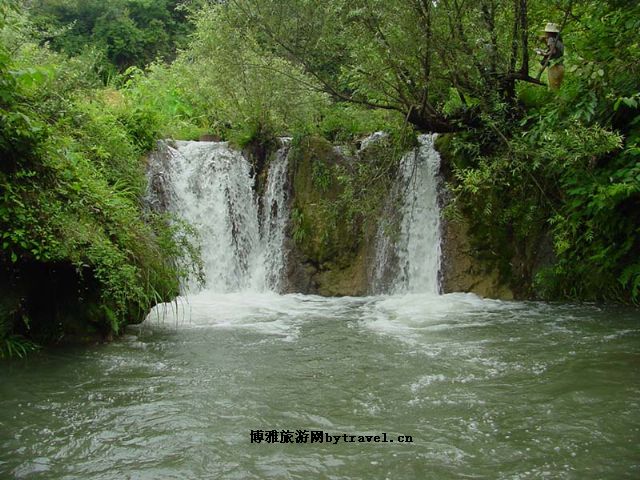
(330, 253)
(328, 280)
(462, 271)
(504, 270)
(327, 254)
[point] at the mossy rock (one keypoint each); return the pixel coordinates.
(338, 194)
(349, 280)
(322, 233)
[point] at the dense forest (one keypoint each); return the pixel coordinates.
(88, 86)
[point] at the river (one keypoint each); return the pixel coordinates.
(485, 389)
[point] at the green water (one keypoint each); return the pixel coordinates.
(486, 389)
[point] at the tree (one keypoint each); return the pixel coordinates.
(234, 81)
(567, 173)
(129, 32)
(405, 55)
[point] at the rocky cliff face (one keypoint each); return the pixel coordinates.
(328, 247)
(502, 271)
(463, 271)
(330, 250)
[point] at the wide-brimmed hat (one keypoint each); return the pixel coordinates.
(552, 28)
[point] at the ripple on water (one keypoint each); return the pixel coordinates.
(487, 389)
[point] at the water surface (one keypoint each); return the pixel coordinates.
(486, 389)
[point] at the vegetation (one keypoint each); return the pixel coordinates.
(565, 166)
(529, 166)
(72, 179)
(123, 33)
(86, 87)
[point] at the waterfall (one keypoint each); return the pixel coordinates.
(210, 186)
(408, 241)
(275, 214)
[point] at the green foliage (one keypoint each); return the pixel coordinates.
(340, 193)
(227, 83)
(128, 32)
(299, 228)
(13, 346)
(344, 122)
(367, 180)
(71, 183)
(321, 176)
(437, 63)
(159, 94)
(235, 85)
(567, 168)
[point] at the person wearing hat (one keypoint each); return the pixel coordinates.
(552, 56)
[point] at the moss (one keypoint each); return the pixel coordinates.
(328, 236)
(339, 280)
(337, 198)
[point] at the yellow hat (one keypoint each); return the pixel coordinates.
(551, 28)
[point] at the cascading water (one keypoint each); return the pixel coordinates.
(275, 215)
(242, 241)
(210, 186)
(408, 261)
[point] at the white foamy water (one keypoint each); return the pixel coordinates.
(275, 216)
(210, 186)
(412, 253)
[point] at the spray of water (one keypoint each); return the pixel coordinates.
(408, 251)
(210, 186)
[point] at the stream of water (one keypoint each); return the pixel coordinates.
(486, 389)
(209, 185)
